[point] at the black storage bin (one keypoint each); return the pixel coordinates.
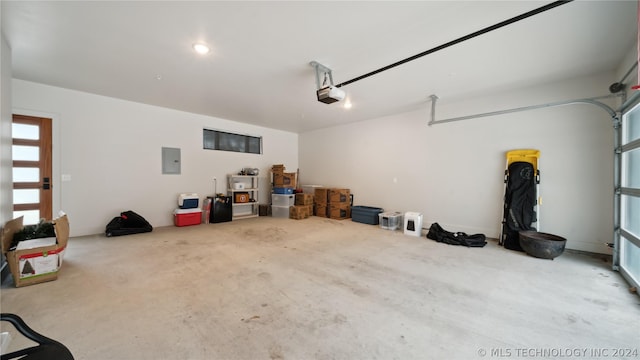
(366, 214)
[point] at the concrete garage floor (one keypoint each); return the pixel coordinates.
(269, 288)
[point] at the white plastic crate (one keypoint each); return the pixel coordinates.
(390, 220)
(283, 200)
(280, 211)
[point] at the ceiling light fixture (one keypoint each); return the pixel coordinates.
(201, 48)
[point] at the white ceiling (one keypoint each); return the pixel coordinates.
(258, 71)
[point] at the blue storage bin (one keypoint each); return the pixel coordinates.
(282, 190)
(366, 214)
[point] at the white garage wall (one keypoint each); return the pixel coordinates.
(6, 185)
(453, 173)
(112, 150)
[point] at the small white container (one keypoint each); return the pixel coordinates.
(413, 223)
(390, 220)
(238, 186)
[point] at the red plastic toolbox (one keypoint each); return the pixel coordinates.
(186, 217)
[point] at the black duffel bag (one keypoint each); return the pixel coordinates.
(127, 223)
(437, 233)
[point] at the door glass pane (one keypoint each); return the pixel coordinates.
(630, 259)
(21, 174)
(31, 217)
(24, 131)
(26, 196)
(632, 125)
(28, 153)
(631, 214)
(631, 169)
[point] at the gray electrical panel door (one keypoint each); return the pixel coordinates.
(170, 160)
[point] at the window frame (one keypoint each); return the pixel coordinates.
(224, 141)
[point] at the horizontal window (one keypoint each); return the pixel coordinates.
(225, 141)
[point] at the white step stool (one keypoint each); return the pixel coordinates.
(413, 223)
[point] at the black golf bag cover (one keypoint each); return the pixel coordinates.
(519, 203)
(439, 234)
(127, 223)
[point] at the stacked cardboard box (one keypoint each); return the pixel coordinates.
(303, 207)
(282, 179)
(304, 199)
(299, 212)
(334, 203)
(321, 195)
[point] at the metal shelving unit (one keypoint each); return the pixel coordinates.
(243, 210)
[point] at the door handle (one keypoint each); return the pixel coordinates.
(46, 183)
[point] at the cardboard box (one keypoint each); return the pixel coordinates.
(287, 180)
(298, 212)
(38, 260)
(321, 195)
(320, 210)
(242, 197)
(339, 211)
(304, 199)
(310, 189)
(339, 196)
(264, 210)
(277, 169)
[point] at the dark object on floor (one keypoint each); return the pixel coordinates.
(519, 203)
(542, 245)
(366, 214)
(220, 209)
(127, 223)
(47, 349)
(437, 233)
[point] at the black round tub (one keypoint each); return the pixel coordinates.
(541, 245)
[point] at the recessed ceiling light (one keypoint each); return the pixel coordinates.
(347, 104)
(201, 48)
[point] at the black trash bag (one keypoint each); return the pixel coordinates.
(437, 233)
(127, 223)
